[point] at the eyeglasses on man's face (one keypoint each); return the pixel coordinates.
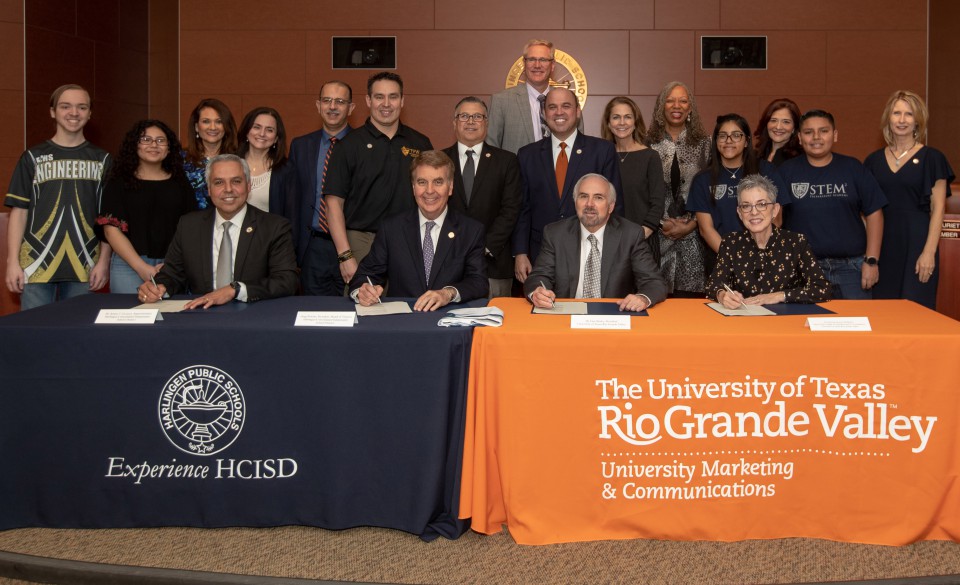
(464, 117)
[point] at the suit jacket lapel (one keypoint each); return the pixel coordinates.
(611, 244)
(571, 257)
(206, 243)
(412, 237)
(243, 240)
(550, 173)
(483, 163)
(574, 158)
(444, 243)
(523, 102)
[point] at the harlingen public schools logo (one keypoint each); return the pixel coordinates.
(201, 410)
(800, 190)
(567, 73)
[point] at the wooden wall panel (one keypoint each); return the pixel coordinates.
(610, 14)
(500, 15)
(825, 15)
(658, 57)
(876, 62)
(690, 14)
(256, 16)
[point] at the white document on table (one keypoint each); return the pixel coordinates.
(563, 308)
(325, 319)
(165, 306)
(128, 316)
(390, 308)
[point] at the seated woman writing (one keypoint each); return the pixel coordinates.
(763, 264)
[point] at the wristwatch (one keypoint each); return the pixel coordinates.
(236, 289)
(870, 260)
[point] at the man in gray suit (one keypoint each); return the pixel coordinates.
(595, 254)
(515, 113)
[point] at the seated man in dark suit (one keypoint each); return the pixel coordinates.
(432, 253)
(232, 251)
(595, 254)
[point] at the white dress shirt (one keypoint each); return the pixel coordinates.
(555, 142)
(532, 95)
(235, 224)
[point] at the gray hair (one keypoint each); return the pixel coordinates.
(758, 182)
(611, 190)
(227, 158)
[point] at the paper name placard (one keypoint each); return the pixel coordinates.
(838, 324)
(600, 321)
(128, 317)
(325, 319)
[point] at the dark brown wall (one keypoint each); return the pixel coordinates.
(944, 98)
(846, 57)
(100, 44)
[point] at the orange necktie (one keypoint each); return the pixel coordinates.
(561, 169)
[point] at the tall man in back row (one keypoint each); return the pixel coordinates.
(838, 205)
(369, 174)
(550, 168)
(486, 187)
(516, 114)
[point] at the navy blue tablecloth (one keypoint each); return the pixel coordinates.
(231, 417)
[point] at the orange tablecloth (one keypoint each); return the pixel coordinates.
(696, 426)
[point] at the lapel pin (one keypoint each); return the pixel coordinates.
(487, 155)
(579, 151)
(916, 161)
(369, 145)
(249, 229)
(450, 235)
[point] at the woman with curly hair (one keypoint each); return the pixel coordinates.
(263, 143)
(677, 135)
(778, 133)
(143, 200)
(214, 132)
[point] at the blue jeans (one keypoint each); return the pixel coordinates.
(845, 276)
(123, 278)
(44, 293)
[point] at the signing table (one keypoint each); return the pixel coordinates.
(230, 417)
(692, 425)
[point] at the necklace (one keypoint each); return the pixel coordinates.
(897, 159)
(733, 174)
(625, 154)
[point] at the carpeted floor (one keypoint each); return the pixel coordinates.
(381, 555)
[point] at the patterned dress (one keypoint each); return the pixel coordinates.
(197, 175)
(785, 265)
(681, 261)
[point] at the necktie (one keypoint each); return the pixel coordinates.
(322, 207)
(561, 169)
(544, 130)
(225, 259)
(591, 272)
(469, 171)
(428, 249)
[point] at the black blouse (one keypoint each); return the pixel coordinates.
(786, 265)
(147, 215)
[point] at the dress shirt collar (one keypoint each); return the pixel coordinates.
(584, 232)
(237, 219)
(569, 140)
(439, 221)
(533, 94)
(477, 149)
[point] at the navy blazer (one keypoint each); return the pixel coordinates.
(396, 256)
(304, 151)
(495, 202)
(542, 204)
(264, 263)
(285, 193)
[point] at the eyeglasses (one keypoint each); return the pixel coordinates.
(329, 100)
(535, 60)
(471, 117)
(159, 140)
(732, 137)
(760, 206)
